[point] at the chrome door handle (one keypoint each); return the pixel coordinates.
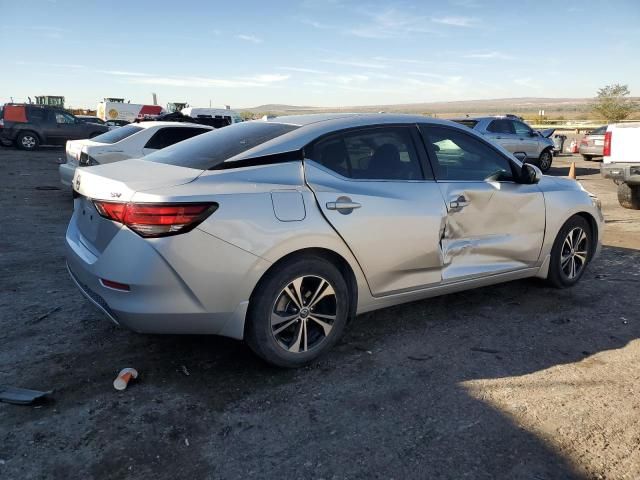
(459, 203)
(342, 205)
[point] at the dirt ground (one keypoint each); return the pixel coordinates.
(516, 381)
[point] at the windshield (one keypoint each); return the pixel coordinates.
(118, 134)
(210, 149)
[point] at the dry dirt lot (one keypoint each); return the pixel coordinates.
(517, 381)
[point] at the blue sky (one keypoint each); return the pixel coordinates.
(316, 52)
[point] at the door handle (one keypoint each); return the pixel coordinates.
(343, 205)
(459, 203)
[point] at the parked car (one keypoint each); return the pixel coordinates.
(592, 144)
(278, 231)
(113, 124)
(28, 126)
(621, 162)
(90, 119)
(131, 141)
(516, 137)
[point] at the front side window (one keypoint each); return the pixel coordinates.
(380, 153)
(64, 118)
(461, 157)
(522, 129)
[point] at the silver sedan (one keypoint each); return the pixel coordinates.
(279, 231)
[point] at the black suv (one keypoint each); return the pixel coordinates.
(29, 126)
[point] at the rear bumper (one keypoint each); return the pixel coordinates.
(186, 284)
(594, 151)
(622, 172)
(67, 172)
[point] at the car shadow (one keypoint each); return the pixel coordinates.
(389, 401)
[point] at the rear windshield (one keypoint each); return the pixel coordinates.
(467, 123)
(599, 131)
(210, 149)
(118, 134)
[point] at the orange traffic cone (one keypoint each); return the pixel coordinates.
(122, 380)
(572, 170)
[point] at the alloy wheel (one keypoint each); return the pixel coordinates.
(545, 161)
(28, 141)
(574, 254)
(304, 313)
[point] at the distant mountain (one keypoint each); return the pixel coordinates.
(526, 105)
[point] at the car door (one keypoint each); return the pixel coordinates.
(502, 132)
(528, 141)
(493, 224)
(371, 186)
(166, 136)
(68, 127)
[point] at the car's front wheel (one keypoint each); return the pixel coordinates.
(545, 160)
(28, 141)
(571, 253)
(297, 312)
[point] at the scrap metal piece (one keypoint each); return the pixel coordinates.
(20, 396)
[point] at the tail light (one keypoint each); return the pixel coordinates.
(606, 150)
(156, 219)
(86, 160)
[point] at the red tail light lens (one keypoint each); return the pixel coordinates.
(606, 151)
(156, 220)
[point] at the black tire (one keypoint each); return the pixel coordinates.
(270, 300)
(545, 160)
(27, 141)
(587, 158)
(629, 196)
(559, 267)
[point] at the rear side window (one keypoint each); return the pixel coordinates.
(210, 150)
(37, 115)
(467, 123)
(501, 126)
(599, 131)
(118, 134)
(170, 135)
(381, 153)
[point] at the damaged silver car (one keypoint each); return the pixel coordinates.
(279, 231)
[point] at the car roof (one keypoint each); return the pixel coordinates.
(316, 125)
(161, 123)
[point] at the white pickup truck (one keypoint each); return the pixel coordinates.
(621, 161)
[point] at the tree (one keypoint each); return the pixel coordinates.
(613, 103)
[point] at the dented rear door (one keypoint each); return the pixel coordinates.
(493, 225)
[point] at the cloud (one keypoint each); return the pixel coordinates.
(301, 70)
(489, 55)
(125, 73)
(456, 21)
(249, 38)
(390, 23)
(527, 82)
(206, 82)
(354, 63)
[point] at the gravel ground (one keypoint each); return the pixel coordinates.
(516, 381)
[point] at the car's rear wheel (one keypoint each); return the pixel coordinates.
(571, 253)
(297, 312)
(629, 196)
(545, 160)
(28, 141)
(587, 158)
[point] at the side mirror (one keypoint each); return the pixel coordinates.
(534, 134)
(530, 174)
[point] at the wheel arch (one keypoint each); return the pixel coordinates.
(595, 233)
(32, 131)
(326, 254)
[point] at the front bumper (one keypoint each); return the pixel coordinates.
(188, 284)
(628, 173)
